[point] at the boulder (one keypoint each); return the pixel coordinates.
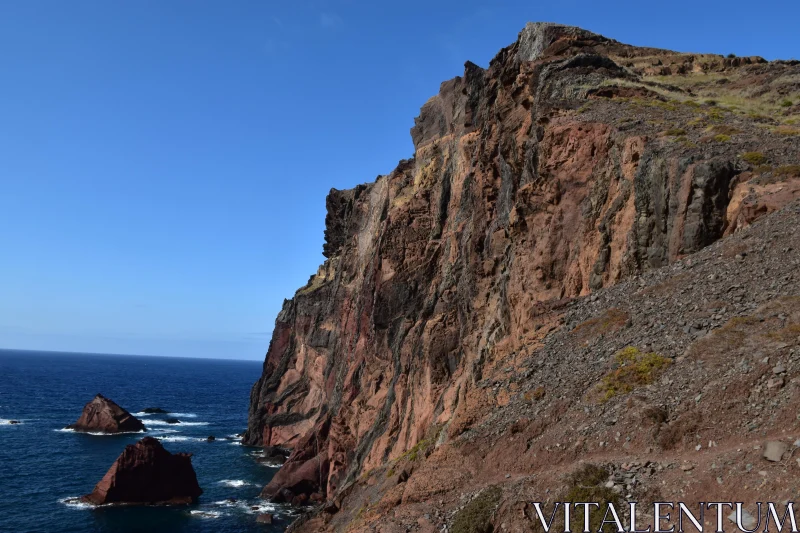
(155, 411)
(172, 421)
(147, 474)
(274, 454)
(211, 438)
(264, 518)
(774, 450)
(13, 422)
(103, 415)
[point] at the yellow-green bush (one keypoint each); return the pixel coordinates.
(754, 158)
(635, 369)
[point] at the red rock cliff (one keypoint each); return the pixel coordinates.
(566, 165)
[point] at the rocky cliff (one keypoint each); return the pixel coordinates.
(573, 162)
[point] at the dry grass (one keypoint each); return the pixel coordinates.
(754, 158)
(476, 516)
(610, 321)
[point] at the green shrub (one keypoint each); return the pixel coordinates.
(587, 484)
(722, 138)
(754, 158)
(476, 516)
(635, 369)
(786, 103)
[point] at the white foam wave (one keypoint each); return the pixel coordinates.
(74, 502)
(206, 514)
(97, 433)
(161, 431)
(263, 507)
(182, 439)
(175, 415)
(269, 464)
(235, 483)
(251, 507)
(165, 423)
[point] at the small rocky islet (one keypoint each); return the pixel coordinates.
(102, 415)
(147, 474)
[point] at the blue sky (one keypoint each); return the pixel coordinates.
(164, 164)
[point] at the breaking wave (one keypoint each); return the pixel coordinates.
(97, 433)
(235, 483)
(74, 502)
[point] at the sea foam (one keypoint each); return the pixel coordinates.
(236, 483)
(74, 502)
(97, 433)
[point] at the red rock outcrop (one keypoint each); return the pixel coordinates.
(105, 416)
(147, 474)
(531, 183)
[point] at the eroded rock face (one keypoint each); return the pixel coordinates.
(551, 174)
(105, 416)
(147, 474)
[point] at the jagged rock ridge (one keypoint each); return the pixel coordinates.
(569, 164)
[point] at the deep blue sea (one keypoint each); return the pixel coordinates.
(42, 466)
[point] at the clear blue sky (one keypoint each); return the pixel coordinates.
(164, 164)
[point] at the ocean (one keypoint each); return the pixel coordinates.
(43, 466)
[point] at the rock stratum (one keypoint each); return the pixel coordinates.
(589, 263)
(147, 474)
(104, 416)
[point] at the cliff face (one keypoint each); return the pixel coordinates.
(570, 163)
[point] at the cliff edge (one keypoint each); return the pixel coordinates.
(572, 164)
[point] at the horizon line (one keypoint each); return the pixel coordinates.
(63, 352)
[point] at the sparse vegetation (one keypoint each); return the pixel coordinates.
(535, 394)
(787, 171)
(785, 334)
(611, 320)
(476, 516)
(675, 132)
(786, 130)
(754, 158)
(725, 129)
(635, 369)
(722, 138)
(587, 484)
(763, 169)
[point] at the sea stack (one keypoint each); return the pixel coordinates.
(105, 416)
(147, 474)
